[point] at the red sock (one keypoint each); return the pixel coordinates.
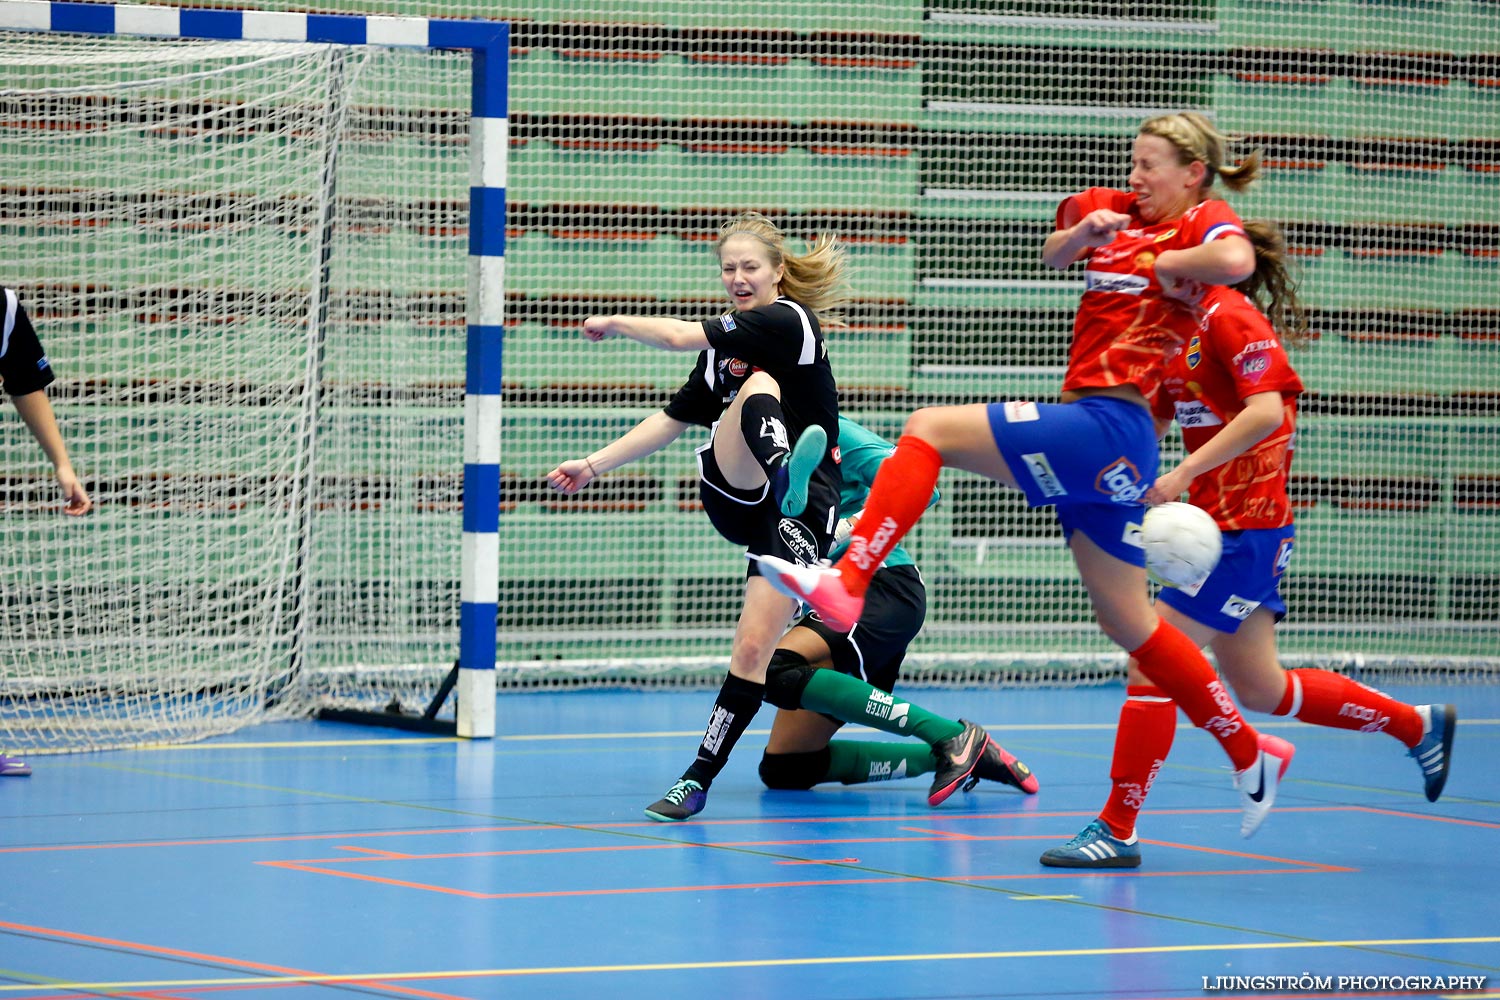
(1148, 722)
(1324, 698)
(1171, 662)
(901, 491)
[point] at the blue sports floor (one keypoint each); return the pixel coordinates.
(309, 859)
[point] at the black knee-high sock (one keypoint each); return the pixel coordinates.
(764, 430)
(736, 705)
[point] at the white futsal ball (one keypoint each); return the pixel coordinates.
(1182, 543)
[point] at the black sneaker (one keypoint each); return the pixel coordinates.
(956, 759)
(997, 764)
(684, 799)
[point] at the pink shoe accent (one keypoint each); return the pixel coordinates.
(1258, 783)
(1027, 780)
(820, 587)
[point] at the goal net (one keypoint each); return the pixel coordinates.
(273, 432)
(247, 263)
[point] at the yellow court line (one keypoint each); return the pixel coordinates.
(397, 977)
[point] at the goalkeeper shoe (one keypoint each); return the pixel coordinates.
(1257, 783)
(819, 587)
(684, 799)
(1095, 847)
(956, 759)
(997, 764)
(796, 470)
(1435, 750)
(13, 767)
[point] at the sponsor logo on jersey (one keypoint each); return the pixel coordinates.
(1195, 352)
(1162, 237)
(1134, 535)
(838, 456)
(727, 320)
(1254, 366)
(1041, 471)
(1107, 281)
(1254, 347)
(41, 362)
(1145, 259)
(1121, 482)
(738, 368)
(1020, 412)
(1195, 413)
(1238, 607)
(798, 540)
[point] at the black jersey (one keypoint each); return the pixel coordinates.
(782, 339)
(23, 365)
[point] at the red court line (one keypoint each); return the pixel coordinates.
(695, 823)
(931, 837)
(320, 866)
(803, 884)
(139, 948)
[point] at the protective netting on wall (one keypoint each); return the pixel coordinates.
(936, 139)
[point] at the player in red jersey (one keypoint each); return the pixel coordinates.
(1234, 393)
(1149, 252)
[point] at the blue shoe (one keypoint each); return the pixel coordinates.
(13, 767)
(1095, 847)
(791, 479)
(1435, 750)
(684, 799)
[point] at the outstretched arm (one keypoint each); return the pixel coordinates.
(645, 438)
(653, 331)
(36, 411)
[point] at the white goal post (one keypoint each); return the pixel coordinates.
(147, 621)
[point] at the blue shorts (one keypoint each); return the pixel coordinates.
(1094, 459)
(1248, 577)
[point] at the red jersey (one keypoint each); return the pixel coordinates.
(1234, 354)
(1125, 328)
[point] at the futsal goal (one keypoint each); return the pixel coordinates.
(265, 251)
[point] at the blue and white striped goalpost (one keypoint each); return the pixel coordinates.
(489, 41)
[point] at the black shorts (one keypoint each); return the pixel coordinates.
(895, 607)
(752, 519)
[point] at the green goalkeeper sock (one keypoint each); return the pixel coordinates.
(852, 700)
(854, 762)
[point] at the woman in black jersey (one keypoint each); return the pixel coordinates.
(762, 382)
(25, 374)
